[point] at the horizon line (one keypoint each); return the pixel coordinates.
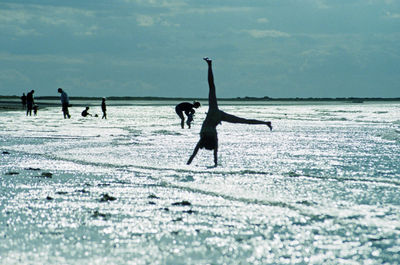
(266, 98)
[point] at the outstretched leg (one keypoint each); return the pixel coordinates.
(212, 98)
(234, 119)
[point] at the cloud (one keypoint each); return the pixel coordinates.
(148, 21)
(13, 75)
(23, 20)
(262, 20)
(258, 34)
(145, 21)
(321, 4)
(14, 16)
(158, 3)
(392, 15)
(41, 58)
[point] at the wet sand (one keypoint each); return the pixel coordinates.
(13, 105)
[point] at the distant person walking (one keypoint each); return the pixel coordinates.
(29, 103)
(85, 112)
(188, 109)
(208, 132)
(104, 108)
(23, 101)
(64, 103)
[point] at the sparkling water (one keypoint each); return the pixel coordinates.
(321, 188)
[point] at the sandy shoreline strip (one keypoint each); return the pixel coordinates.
(10, 105)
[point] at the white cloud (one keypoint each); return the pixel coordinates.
(148, 21)
(222, 9)
(387, 2)
(321, 4)
(13, 75)
(262, 20)
(159, 3)
(392, 15)
(145, 21)
(258, 34)
(90, 31)
(23, 20)
(14, 16)
(41, 58)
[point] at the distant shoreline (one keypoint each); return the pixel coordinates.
(13, 103)
(10, 103)
(359, 99)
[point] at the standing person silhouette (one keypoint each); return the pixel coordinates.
(208, 132)
(64, 103)
(188, 108)
(29, 103)
(104, 108)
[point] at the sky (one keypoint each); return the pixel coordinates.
(274, 48)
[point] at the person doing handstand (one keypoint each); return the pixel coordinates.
(208, 132)
(188, 108)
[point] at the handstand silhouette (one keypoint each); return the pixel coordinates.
(208, 132)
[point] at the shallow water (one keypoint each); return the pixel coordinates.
(321, 188)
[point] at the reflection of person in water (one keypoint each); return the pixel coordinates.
(85, 112)
(208, 132)
(188, 108)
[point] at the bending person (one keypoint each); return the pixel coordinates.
(188, 108)
(208, 132)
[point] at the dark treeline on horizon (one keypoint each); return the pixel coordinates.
(230, 99)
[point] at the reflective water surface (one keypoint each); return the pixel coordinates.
(321, 188)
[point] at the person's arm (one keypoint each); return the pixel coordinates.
(196, 149)
(234, 119)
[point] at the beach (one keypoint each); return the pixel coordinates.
(321, 188)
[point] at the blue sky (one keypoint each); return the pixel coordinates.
(276, 48)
